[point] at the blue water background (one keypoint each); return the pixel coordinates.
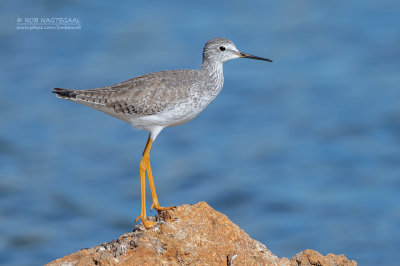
(300, 153)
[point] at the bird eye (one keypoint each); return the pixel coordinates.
(222, 48)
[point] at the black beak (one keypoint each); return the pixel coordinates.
(244, 55)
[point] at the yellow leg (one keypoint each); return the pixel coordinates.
(142, 166)
(155, 204)
(145, 166)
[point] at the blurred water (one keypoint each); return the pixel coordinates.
(301, 153)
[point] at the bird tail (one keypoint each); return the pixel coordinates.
(65, 93)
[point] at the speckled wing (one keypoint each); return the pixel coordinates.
(152, 93)
(144, 95)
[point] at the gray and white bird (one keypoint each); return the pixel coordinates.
(161, 99)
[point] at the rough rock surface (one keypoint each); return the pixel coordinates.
(196, 235)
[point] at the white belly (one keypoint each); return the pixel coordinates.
(179, 114)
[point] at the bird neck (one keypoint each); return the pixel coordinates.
(211, 66)
(214, 70)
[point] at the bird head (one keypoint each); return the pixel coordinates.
(222, 50)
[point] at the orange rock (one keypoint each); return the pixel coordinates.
(312, 257)
(198, 235)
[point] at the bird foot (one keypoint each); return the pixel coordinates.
(147, 224)
(159, 208)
